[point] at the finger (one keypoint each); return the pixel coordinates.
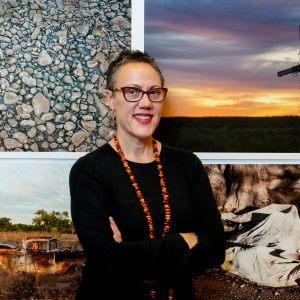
(116, 232)
(113, 225)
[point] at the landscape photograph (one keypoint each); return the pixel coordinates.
(36, 227)
(221, 63)
(40, 255)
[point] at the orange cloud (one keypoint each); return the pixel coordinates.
(212, 101)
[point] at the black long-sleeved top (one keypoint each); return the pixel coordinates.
(100, 187)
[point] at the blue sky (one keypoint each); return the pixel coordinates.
(29, 185)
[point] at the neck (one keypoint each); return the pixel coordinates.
(140, 151)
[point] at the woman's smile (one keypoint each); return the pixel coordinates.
(143, 118)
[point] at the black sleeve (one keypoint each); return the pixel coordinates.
(90, 210)
(210, 249)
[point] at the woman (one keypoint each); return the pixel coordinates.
(144, 212)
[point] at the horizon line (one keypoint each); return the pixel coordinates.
(283, 116)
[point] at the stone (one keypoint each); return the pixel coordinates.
(31, 132)
(89, 125)
(103, 109)
(92, 64)
(29, 81)
(40, 104)
(36, 32)
(79, 137)
(121, 22)
(27, 123)
(83, 29)
(67, 79)
(21, 137)
(48, 116)
(81, 148)
(50, 128)
(10, 144)
(27, 108)
(11, 98)
(69, 126)
(3, 134)
(34, 147)
(62, 37)
(78, 71)
(44, 59)
(106, 132)
(3, 73)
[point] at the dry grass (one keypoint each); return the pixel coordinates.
(19, 286)
(50, 287)
(6, 282)
(13, 235)
(14, 283)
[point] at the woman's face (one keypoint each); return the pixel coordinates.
(136, 119)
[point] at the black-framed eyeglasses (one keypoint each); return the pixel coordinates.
(134, 94)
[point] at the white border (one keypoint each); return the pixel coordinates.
(206, 158)
(249, 158)
(137, 24)
(137, 42)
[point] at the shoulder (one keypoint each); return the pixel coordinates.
(181, 160)
(179, 154)
(185, 162)
(97, 157)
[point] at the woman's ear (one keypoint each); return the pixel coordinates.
(109, 99)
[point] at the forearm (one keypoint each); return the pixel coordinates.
(145, 259)
(155, 258)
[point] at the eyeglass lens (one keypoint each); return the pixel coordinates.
(135, 94)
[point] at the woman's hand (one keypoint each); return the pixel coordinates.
(191, 238)
(116, 232)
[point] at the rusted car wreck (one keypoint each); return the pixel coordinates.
(40, 255)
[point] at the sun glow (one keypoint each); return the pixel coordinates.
(210, 101)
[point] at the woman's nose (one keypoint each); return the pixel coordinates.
(145, 101)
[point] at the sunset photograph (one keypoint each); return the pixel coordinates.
(221, 58)
(221, 62)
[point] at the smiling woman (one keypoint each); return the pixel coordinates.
(144, 212)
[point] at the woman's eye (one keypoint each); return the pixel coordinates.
(154, 92)
(132, 91)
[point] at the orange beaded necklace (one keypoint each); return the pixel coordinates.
(139, 193)
(142, 201)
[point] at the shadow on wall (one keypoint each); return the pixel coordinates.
(239, 186)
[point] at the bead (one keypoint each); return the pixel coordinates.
(142, 201)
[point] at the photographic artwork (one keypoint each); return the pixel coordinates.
(221, 63)
(250, 197)
(53, 59)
